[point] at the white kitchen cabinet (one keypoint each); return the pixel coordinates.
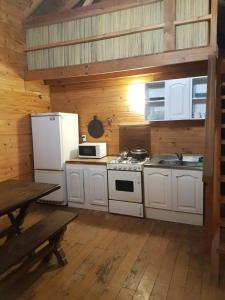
(187, 191)
(157, 186)
(177, 95)
(155, 101)
(176, 99)
(75, 185)
(98, 192)
(174, 195)
(198, 97)
(87, 186)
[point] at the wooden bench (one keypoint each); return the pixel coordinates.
(23, 248)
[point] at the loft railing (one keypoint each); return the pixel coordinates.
(134, 29)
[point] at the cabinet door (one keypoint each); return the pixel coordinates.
(178, 99)
(97, 185)
(187, 191)
(75, 186)
(157, 185)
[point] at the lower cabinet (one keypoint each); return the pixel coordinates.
(174, 195)
(157, 185)
(187, 191)
(87, 186)
(75, 185)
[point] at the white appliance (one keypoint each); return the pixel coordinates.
(55, 140)
(125, 187)
(92, 150)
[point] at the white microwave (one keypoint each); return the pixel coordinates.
(92, 150)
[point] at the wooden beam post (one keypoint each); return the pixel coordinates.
(212, 169)
(209, 152)
(214, 21)
(169, 29)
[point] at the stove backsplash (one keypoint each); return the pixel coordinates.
(134, 136)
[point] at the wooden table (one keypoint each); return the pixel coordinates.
(18, 195)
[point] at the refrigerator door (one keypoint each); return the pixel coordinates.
(57, 177)
(47, 142)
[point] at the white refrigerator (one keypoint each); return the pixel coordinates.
(55, 139)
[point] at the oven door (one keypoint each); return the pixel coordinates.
(125, 186)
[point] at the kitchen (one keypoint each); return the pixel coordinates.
(187, 137)
(111, 120)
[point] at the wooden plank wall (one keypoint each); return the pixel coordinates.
(109, 99)
(17, 98)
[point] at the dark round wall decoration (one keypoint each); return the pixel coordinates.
(95, 128)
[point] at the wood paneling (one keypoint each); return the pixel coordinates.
(134, 136)
(109, 100)
(17, 98)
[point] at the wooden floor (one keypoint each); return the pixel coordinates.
(117, 257)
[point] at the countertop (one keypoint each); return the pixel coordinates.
(91, 161)
(154, 162)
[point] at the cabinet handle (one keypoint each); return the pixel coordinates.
(185, 175)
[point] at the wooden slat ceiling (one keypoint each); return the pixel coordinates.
(43, 7)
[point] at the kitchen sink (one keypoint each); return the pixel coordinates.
(176, 162)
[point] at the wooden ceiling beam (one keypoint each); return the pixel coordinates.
(158, 73)
(68, 5)
(31, 7)
(87, 2)
(99, 8)
(132, 64)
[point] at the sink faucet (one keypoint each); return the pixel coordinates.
(179, 156)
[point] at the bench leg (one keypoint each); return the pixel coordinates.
(61, 257)
(58, 251)
(16, 221)
(47, 258)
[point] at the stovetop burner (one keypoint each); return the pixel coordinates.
(129, 160)
(129, 164)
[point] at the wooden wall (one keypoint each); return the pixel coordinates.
(17, 98)
(109, 99)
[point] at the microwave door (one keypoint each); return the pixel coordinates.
(87, 151)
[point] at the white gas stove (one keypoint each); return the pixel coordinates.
(125, 186)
